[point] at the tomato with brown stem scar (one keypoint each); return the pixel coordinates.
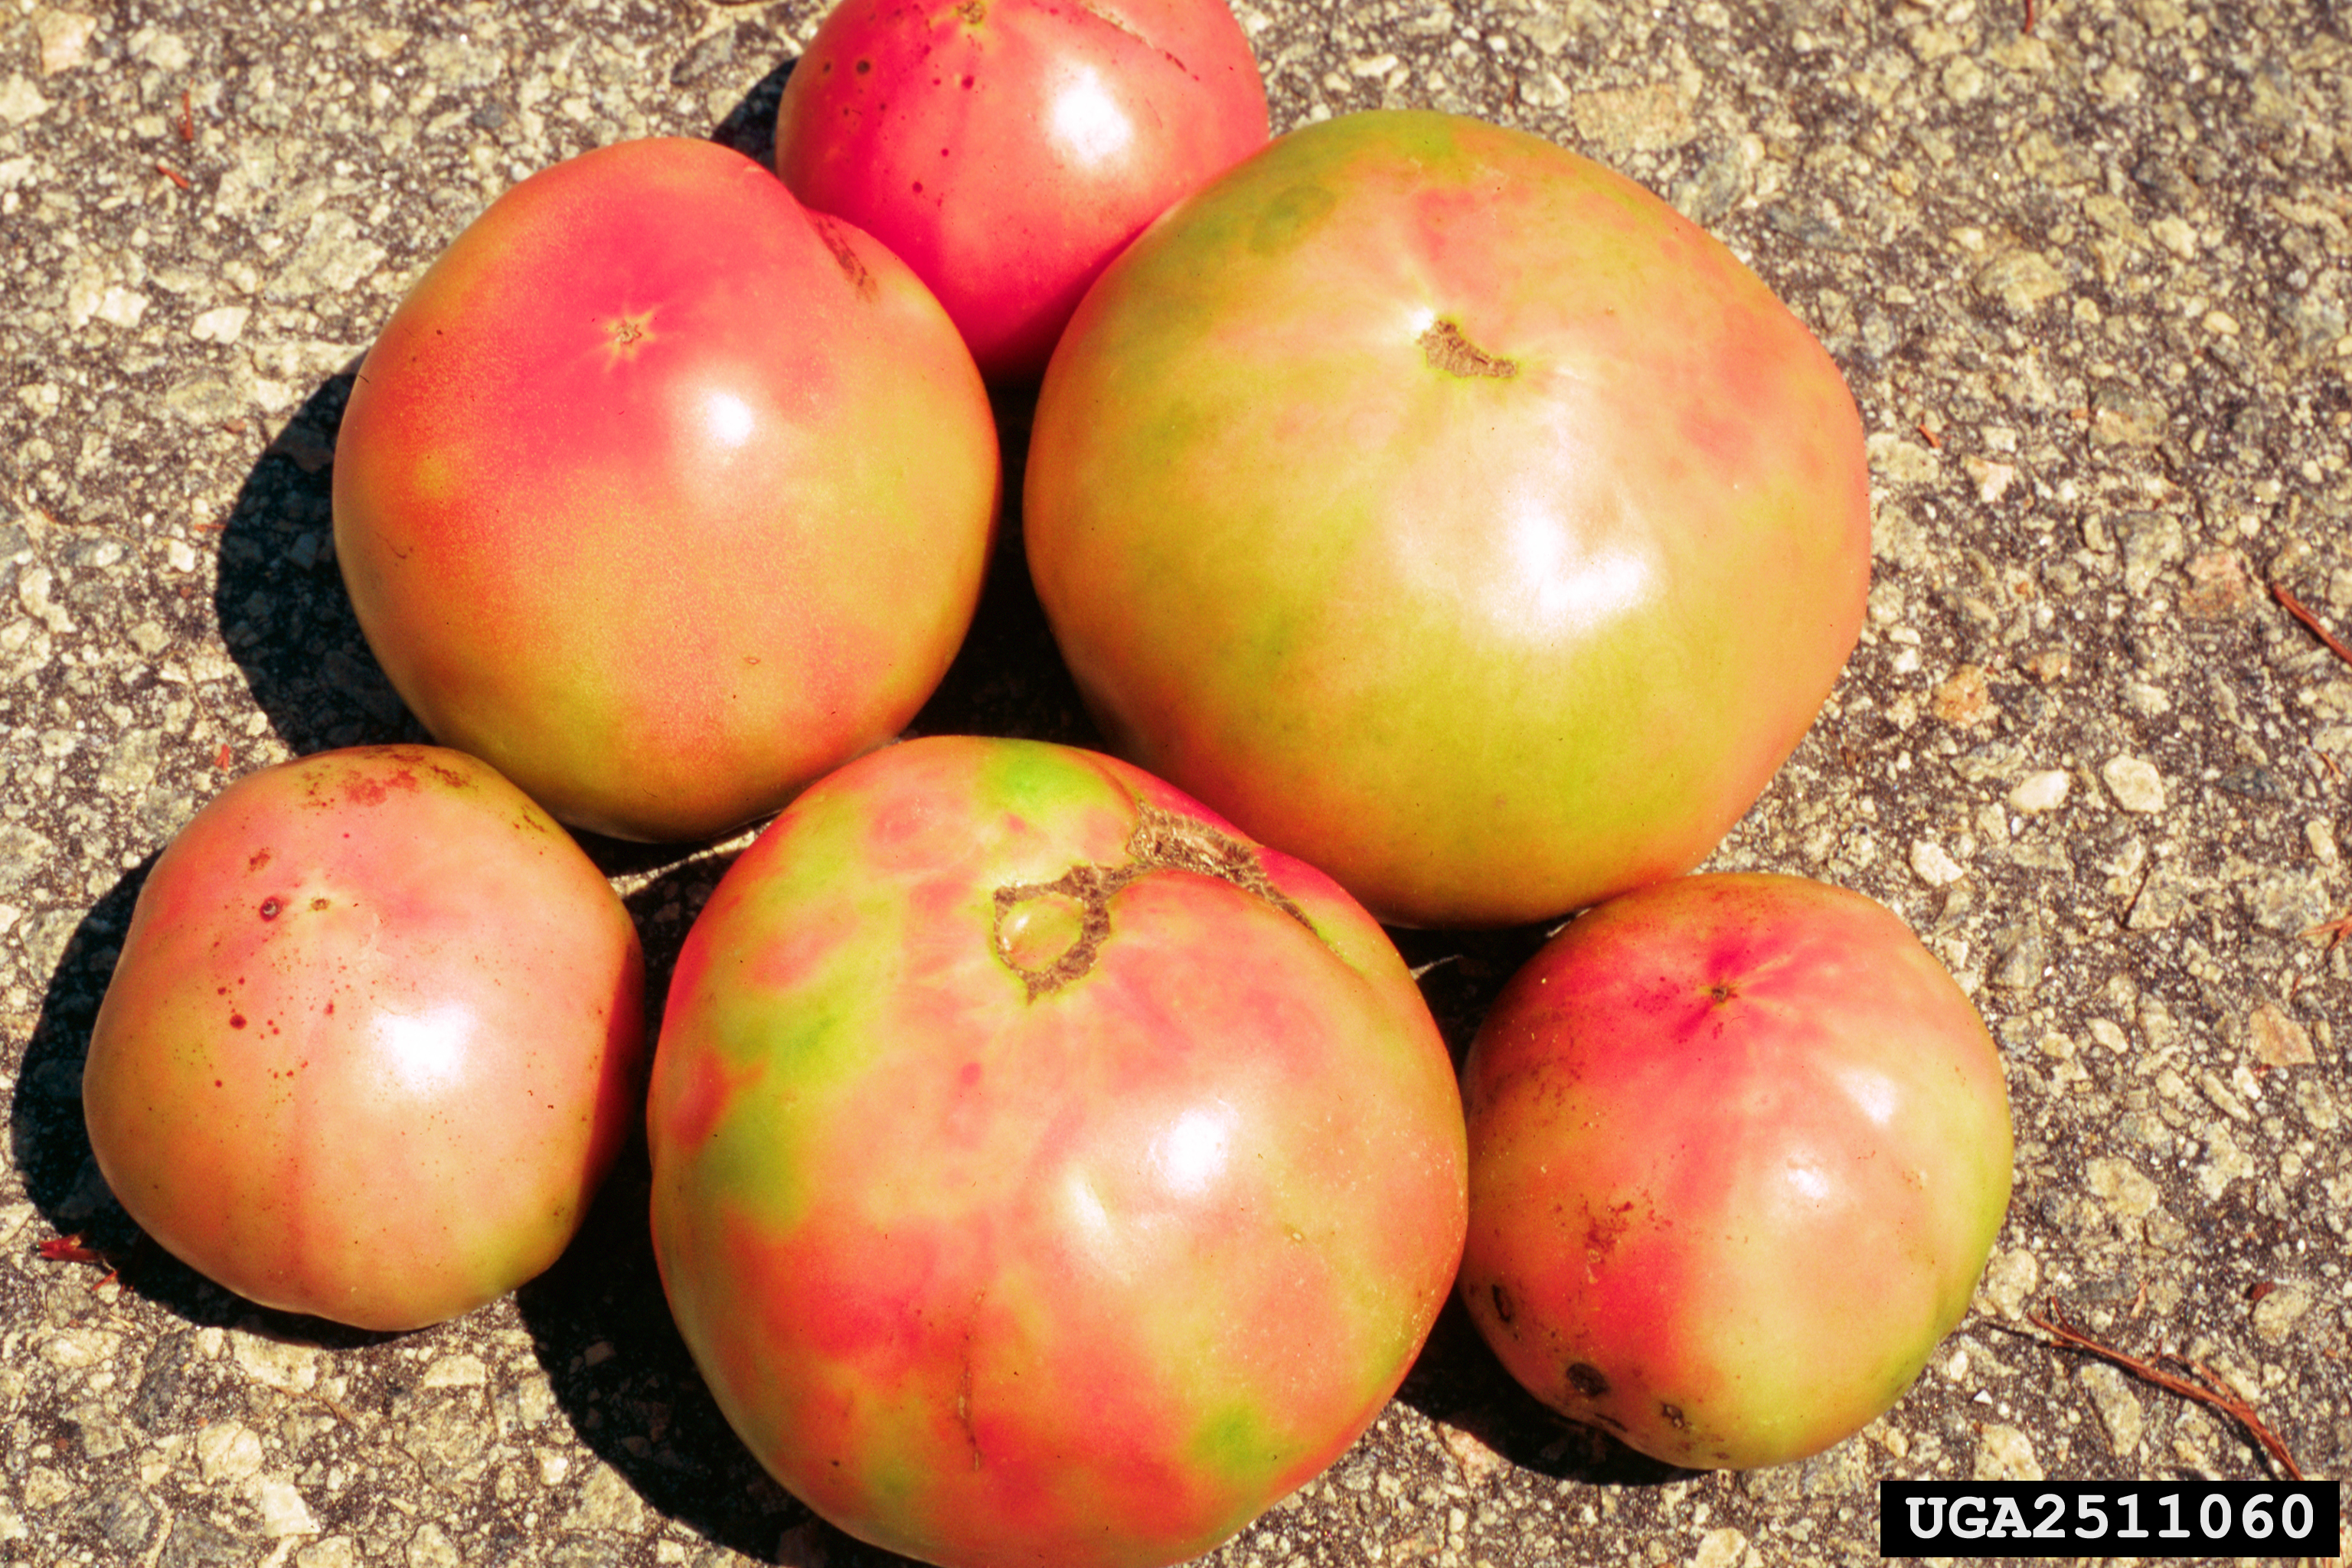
(1451, 513)
(1044, 1173)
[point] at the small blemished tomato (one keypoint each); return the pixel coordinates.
(1451, 513)
(663, 494)
(1043, 1174)
(1006, 150)
(376, 1037)
(1739, 1150)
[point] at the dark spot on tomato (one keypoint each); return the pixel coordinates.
(1587, 1379)
(237, 1020)
(319, 903)
(330, 1009)
(919, 187)
(967, 82)
(260, 859)
(1674, 1415)
(863, 67)
(216, 1083)
(269, 908)
(1504, 1306)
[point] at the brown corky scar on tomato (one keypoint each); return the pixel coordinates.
(1446, 349)
(844, 255)
(1049, 932)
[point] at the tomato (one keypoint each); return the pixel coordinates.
(1008, 149)
(1042, 1173)
(376, 1037)
(663, 495)
(1738, 1149)
(1449, 511)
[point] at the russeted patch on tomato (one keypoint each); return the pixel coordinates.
(1451, 513)
(1043, 1172)
(1739, 1150)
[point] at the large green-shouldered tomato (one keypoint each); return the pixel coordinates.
(1451, 513)
(1044, 1173)
(376, 1037)
(1739, 1150)
(663, 494)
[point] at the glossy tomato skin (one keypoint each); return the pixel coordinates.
(376, 1037)
(1006, 150)
(662, 494)
(992, 1269)
(1450, 512)
(1739, 1148)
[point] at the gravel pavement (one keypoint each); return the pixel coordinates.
(2087, 266)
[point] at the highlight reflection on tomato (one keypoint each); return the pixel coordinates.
(1006, 150)
(1044, 1173)
(374, 1040)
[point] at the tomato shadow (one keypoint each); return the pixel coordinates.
(48, 1142)
(1462, 972)
(1008, 678)
(602, 1331)
(751, 126)
(283, 613)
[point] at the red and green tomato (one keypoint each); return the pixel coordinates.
(1448, 511)
(1043, 1174)
(1739, 1150)
(375, 1036)
(1006, 150)
(663, 494)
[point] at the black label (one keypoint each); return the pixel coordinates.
(2110, 1519)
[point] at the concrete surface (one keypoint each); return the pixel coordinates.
(2085, 265)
